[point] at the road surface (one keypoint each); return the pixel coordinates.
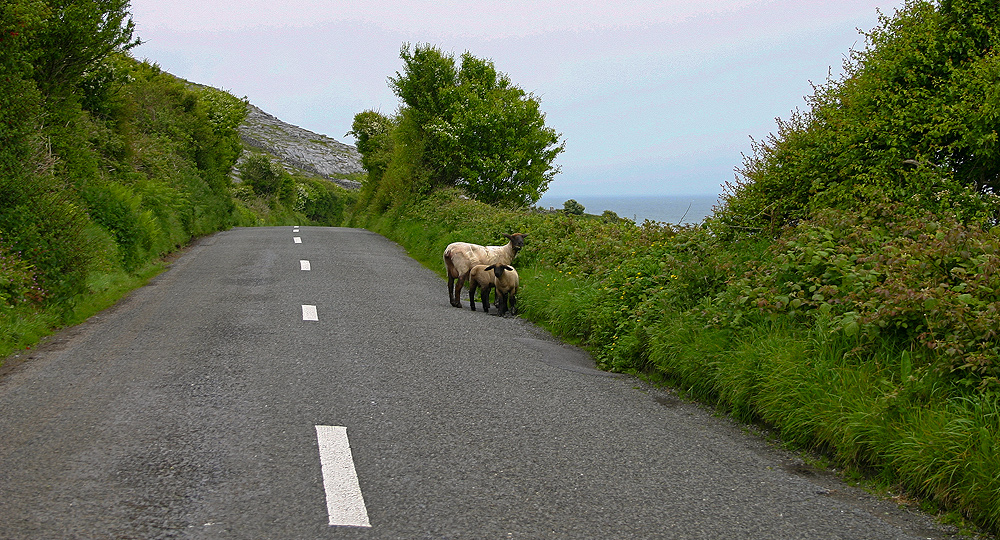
(278, 383)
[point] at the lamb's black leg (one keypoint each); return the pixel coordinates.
(472, 295)
(485, 297)
(503, 303)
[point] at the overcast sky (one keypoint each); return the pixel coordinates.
(651, 97)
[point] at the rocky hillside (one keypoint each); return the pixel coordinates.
(301, 149)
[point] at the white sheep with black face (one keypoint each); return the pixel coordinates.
(460, 257)
(506, 283)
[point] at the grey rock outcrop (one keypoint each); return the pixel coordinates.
(300, 148)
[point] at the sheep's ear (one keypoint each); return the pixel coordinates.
(488, 268)
(508, 267)
(507, 236)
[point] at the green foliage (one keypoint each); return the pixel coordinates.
(269, 195)
(105, 163)
(913, 119)
(929, 284)
(76, 37)
(20, 101)
(46, 227)
(467, 126)
(573, 207)
(322, 202)
(428, 76)
(266, 177)
(119, 210)
(373, 134)
(18, 282)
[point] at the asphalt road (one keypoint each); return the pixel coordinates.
(190, 410)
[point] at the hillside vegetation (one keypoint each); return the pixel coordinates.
(844, 294)
(107, 164)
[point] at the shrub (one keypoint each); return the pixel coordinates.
(573, 207)
(119, 210)
(18, 283)
(929, 284)
(41, 222)
(323, 202)
(266, 177)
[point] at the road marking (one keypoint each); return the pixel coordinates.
(344, 503)
(309, 313)
(304, 265)
(297, 239)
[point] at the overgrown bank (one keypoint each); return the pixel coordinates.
(107, 164)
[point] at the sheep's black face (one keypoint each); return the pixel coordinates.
(516, 241)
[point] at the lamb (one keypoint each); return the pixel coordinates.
(460, 257)
(482, 278)
(506, 282)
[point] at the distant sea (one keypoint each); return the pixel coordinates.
(667, 208)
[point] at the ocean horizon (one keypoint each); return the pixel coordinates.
(674, 209)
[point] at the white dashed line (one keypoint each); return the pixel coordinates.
(309, 313)
(304, 265)
(344, 503)
(297, 239)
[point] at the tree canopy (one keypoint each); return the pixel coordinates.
(913, 119)
(461, 125)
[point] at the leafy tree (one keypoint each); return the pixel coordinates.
(914, 118)
(268, 178)
(428, 75)
(573, 207)
(77, 37)
(373, 135)
(466, 126)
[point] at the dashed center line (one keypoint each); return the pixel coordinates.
(344, 503)
(297, 239)
(304, 265)
(309, 313)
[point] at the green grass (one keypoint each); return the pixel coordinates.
(24, 326)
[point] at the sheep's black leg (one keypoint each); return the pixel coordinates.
(485, 297)
(503, 303)
(513, 305)
(472, 295)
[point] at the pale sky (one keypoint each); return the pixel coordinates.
(656, 98)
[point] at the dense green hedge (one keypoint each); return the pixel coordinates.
(107, 164)
(913, 118)
(99, 184)
(91, 202)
